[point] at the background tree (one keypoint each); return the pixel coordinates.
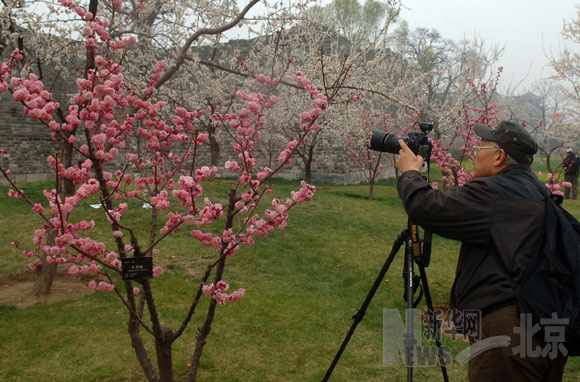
(566, 64)
(361, 24)
(441, 67)
(357, 144)
(543, 109)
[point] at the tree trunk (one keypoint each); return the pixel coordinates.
(214, 146)
(307, 169)
(396, 168)
(45, 275)
(371, 188)
(65, 154)
(201, 340)
(133, 327)
(163, 343)
(308, 158)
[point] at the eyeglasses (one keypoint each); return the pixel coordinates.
(477, 148)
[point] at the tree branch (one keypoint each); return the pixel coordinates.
(204, 31)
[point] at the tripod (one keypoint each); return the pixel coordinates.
(413, 254)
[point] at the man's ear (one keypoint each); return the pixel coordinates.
(500, 158)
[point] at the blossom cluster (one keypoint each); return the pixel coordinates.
(320, 103)
(554, 184)
(216, 291)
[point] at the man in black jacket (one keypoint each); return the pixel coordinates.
(570, 164)
(499, 216)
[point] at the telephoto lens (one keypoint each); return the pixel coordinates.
(385, 142)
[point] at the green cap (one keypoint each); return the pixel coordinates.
(513, 138)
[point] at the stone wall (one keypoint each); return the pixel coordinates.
(28, 142)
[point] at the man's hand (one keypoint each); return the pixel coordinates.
(408, 160)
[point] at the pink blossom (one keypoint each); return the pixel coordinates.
(232, 166)
(20, 95)
(99, 139)
(92, 285)
(117, 5)
(157, 271)
(208, 289)
(38, 208)
(104, 287)
(87, 31)
(264, 174)
(253, 107)
(202, 138)
(306, 117)
(222, 286)
(304, 194)
(120, 44)
(235, 296)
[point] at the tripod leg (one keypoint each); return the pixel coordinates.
(410, 340)
(361, 312)
(435, 328)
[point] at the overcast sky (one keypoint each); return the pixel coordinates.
(528, 29)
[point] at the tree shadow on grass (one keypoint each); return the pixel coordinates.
(378, 199)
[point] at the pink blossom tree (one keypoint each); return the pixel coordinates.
(48, 35)
(481, 110)
(133, 155)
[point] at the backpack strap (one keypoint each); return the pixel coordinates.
(553, 204)
(561, 270)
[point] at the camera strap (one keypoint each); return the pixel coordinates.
(416, 285)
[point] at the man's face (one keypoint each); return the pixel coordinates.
(485, 159)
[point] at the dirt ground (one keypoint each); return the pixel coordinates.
(16, 289)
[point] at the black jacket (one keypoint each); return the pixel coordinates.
(505, 211)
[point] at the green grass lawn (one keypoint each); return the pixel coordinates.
(303, 285)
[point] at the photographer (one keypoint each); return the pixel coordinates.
(499, 216)
(570, 164)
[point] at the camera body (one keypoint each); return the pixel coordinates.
(417, 141)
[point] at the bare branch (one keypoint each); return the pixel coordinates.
(204, 31)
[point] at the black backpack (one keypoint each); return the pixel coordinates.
(551, 281)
